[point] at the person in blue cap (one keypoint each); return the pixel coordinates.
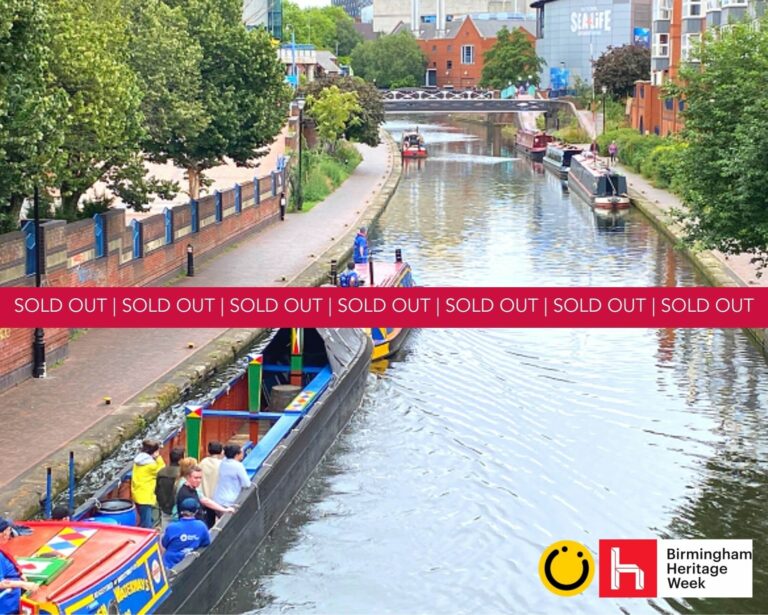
(349, 277)
(12, 581)
(360, 250)
(185, 535)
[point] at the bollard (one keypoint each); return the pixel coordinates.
(398, 255)
(190, 260)
(334, 272)
(282, 205)
(48, 492)
(71, 481)
(370, 270)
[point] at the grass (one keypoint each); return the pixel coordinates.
(324, 172)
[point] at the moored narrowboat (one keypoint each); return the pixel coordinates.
(605, 189)
(532, 143)
(87, 567)
(412, 145)
(285, 409)
(558, 156)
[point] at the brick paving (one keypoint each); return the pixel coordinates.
(41, 416)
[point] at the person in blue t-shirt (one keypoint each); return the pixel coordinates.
(185, 535)
(349, 277)
(360, 251)
(11, 579)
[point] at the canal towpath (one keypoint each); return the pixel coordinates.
(142, 371)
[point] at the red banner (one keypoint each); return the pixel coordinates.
(418, 307)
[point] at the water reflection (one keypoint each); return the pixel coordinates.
(479, 448)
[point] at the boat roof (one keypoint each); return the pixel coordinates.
(64, 556)
(596, 168)
(384, 273)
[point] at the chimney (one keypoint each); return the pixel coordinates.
(415, 18)
(440, 19)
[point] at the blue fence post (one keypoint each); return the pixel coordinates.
(219, 209)
(100, 235)
(71, 502)
(138, 239)
(256, 191)
(28, 228)
(194, 209)
(273, 176)
(168, 217)
(238, 198)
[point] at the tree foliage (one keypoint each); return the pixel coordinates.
(31, 107)
(511, 59)
(324, 27)
(619, 67)
(726, 127)
(332, 110)
(391, 61)
(363, 124)
(242, 91)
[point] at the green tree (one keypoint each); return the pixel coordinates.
(326, 27)
(242, 90)
(394, 60)
(103, 127)
(619, 67)
(363, 124)
(724, 167)
(31, 107)
(347, 38)
(512, 57)
(332, 109)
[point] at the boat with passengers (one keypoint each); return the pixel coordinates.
(604, 188)
(285, 408)
(557, 158)
(412, 145)
(89, 567)
(533, 143)
(388, 274)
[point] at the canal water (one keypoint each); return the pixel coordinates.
(476, 449)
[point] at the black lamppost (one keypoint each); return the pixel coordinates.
(299, 189)
(605, 91)
(38, 345)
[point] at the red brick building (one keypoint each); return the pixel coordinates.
(455, 54)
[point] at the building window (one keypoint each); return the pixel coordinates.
(661, 45)
(725, 3)
(691, 8)
(467, 54)
(713, 5)
(434, 47)
(688, 43)
(449, 48)
(449, 64)
(664, 9)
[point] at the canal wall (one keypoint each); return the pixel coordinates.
(20, 499)
(707, 262)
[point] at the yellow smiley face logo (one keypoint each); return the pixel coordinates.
(566, 568)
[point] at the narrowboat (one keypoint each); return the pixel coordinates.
(558, 156)
(533, 143)
(89, 567)
(412, 145)
(393, 274)
(285, 409)
(605, 189)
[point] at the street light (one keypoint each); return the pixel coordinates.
(605, 91)
(300, 102)
(38, 345)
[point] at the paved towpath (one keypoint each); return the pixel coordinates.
(40, 416)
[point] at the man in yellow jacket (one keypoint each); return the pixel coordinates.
(146, 465)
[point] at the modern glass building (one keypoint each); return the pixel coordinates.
(265, 14)
(571, 34)
(352, 7)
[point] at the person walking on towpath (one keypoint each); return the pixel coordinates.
(349, 277)
(361, 246)
(613, 149)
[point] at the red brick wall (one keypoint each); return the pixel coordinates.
(440, 51)
(70, 259)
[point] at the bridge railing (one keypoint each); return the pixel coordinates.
(437, 95)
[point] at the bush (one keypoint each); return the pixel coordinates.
(662, 165)
(324, 172)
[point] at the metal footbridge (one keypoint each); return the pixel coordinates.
(467, 101)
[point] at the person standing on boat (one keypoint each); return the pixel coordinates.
(191, 489)
(360, 249)
(185, 535)
(146, 466)
(11, 578)
(232, 476)
(349, 277)
(210, 465)
(165, 486)
(613, 150)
